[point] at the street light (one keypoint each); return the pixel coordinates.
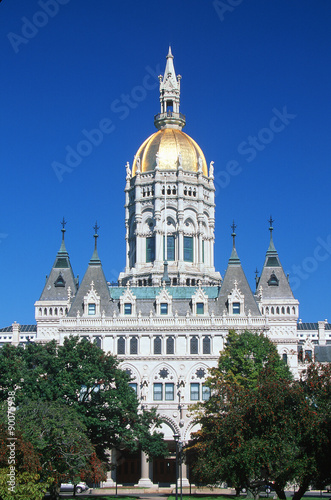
(176, 438)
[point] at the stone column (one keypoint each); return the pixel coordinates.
(185, 481)
(145, 480)
(111, 475)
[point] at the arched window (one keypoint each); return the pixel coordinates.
(170, 345)
(121, 345)
(133, 345)
(158, 345)
(194, 345)
(206, 345)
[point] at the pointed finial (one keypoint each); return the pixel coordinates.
(233, 227)
(271, 221)
(256, 276)
(63, 224)
(169, 52)
(96, 228)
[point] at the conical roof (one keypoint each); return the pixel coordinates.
(273, 280)
(93, 278)
(61, 276)
(235, 278)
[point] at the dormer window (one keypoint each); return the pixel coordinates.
(200, 307)
(91, 309)
(91, 303)
(127, 302)
(236, 303)
(127, 308)
(236, 308)
(164, 303)
(273, 280)
(200, 302)
(59, 282)
(163, 308)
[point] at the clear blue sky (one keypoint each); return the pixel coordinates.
(67, 65)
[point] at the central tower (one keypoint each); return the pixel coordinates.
(169, 202)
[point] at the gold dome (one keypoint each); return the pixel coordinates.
(168, 143)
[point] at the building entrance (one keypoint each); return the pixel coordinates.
(164, 471)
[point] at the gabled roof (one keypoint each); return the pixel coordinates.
(235, 277)
(273, 280)
(61, 277)
(94, 274)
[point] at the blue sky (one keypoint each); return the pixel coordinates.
(255, 90)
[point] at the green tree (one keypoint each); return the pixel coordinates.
(20, 471)
(82, 376)
(27, 486)
(259, 426)
(245, 355)
(58, 435)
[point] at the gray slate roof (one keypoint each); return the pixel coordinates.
(273, 280)
(323, 353)
(23, 329)
(93, 273)
(61, 277)
(235, 272)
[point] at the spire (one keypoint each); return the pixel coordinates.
(271, 248)
(62, 257)
(95, 260)
(234, 259)
(273, 279)
(170, 117)
(271, 255)
(61, 277)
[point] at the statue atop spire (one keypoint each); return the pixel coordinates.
(169, 98)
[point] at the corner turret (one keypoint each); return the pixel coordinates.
(59, 290)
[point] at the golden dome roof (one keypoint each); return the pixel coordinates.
(168, 143)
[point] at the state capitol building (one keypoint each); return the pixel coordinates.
(170, 313)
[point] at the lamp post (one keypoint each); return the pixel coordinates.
(176, 438)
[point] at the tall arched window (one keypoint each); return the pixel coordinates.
(194, 345)
(158, 345)
(133, 345)
(121, 345)
(170, 345)
(206, 345)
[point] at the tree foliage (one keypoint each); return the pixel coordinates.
(260, 427)
(245, 357)
(75, 404)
